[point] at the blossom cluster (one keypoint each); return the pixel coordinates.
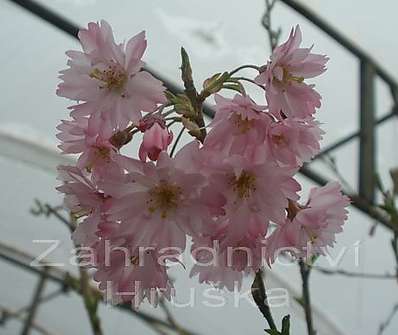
(233, 186)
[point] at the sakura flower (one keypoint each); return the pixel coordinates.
(157, 204)
(131, 275)
(310, 229)
(82, 197)
(284, 74)
(254, 193)
(110, 73)
(93, 139)
(239, 126)
(293, 141)
(224, 264)
(156, 137)
(92, 229)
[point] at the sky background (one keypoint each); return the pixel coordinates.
(218, 35)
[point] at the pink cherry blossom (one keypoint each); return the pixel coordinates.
(224, 264)
(239, 126)
(314, 226)
(129, 274)
(91, 139)
(224, 193)
(294, 141)
(82, 196)
(92, 229)
(156, 137)
(283, 77)
(110, 73)
(255, 193)
(158, 204)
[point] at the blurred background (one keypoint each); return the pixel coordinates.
(219, 35)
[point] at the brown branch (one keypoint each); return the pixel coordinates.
(70, 282)
(273, 35)
(35, 303)
(8, 313)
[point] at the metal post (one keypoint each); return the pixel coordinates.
(367, 147)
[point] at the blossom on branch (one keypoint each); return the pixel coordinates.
(284, 75)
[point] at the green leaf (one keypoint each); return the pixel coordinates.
(299, 300)
(272, 332)
(186, 70)
(286, 325)
(214, 84)
(234, 87)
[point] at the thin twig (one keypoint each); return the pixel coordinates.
(250, 81)
(247, 66)
(387, 322)
(42, 300)
(273, 35)
(47, 210)
(8, 313)
(170, 318)
(89, 298)
(70, 282)
(331, 163)
(306, 300)
(173, 149)
(35, 303)
(346, 273)
(394, 246)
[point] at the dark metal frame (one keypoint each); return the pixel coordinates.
(369, 70)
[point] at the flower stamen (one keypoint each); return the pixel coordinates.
(243, 125)
(164, 198)
(244, 185)
(113, 77)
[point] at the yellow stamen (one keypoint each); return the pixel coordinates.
(279, 139)
(164, 198)
(103, 153)
(243, 125)
(113, 77)
(244, 185)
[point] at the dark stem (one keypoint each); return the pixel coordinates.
(273, 35)
(260, 298)
(247, 66)
(383, 326)
(305, 274)
(250, 81)
(90, 300)
(394, 245)
(176, 141)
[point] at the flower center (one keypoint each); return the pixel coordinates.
(312, 236)
(164, 198)
(244, 185)
(279, 139)
(243, 125)
(103, 153)
(287, 77)
(113, 77)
